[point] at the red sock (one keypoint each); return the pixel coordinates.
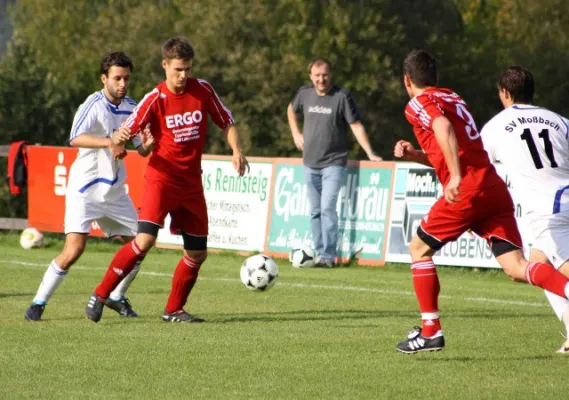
(123, 262)
(547, 277)
(427, 288)
(183, 281)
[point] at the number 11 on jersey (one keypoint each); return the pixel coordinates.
(544, 135)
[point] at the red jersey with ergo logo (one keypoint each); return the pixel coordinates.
(178, 123)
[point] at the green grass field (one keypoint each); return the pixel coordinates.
(318, 334)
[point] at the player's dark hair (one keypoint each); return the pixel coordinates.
(421, 67)
(178, 48)
(517, 81)
(319, 61)
(116, 59)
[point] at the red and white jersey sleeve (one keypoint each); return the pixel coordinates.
(142, 113)
(422, 110)
(220, 114)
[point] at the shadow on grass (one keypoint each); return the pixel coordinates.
(16, 295)
(485, 359)
(308, 315)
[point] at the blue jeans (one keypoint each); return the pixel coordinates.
(323, 189)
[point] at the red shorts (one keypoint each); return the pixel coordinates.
(185, 204)
(488, 213)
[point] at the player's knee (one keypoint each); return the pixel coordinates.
(510, 258)
(196, 255)
(419, 249)
(73, 249)
(145, 242)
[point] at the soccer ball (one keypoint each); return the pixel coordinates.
(259, 272)
(31, 238)
(302, 257)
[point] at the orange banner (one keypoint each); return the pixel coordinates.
(48, 170)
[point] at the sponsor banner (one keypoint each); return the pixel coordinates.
(363, 209)
(415, 190)
(237, 206)
(48, 170)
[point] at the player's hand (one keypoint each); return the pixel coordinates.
(404, 150)
(121, 136)
(240, 163)
(451, 190)
(146, 137)
(117, 152)
(374, 157)
(299, 141)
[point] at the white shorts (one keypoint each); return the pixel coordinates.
(551, 236)
(115, 218)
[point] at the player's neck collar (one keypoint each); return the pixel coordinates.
(110, 103)
(524, 106)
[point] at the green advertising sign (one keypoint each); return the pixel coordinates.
(363, 207)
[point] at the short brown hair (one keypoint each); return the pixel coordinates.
(178, 48)
(319, 61)
(517, 81)
(116, 59)
(421, 67)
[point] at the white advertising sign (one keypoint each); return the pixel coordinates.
(416, 189)
(237, 206)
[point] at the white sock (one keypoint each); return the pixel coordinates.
(51, 280)
(121, 289)
(560, 307)
(565, 320)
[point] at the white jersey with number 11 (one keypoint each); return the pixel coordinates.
(533, 143)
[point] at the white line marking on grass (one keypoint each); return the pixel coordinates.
(313, 286)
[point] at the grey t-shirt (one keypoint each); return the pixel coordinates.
(326, 123)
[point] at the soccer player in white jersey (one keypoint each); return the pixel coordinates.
(533, 143)
(96, 190)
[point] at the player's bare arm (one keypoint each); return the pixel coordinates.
(88, 141)
(359, 132)
(407, 152)
(147, 144)
(239, 161)
(446, 139)
(296, 133)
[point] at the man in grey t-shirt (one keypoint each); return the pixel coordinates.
(327, 111)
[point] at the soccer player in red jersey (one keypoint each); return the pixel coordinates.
(177, 111)
(475, 197)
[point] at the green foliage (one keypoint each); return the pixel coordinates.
(255, 54)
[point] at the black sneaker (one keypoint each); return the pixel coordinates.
(180, 316)
(94, 309)
(34, 312)
(416, 342)
(122, 306)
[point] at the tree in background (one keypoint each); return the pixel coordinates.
(255, 54)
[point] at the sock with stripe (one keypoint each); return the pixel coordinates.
(123, 286)
(183, 281)
(427, 288)
(547, 277)
(122, 264)
(51, 280)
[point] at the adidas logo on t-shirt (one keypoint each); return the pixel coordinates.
(319, 110)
